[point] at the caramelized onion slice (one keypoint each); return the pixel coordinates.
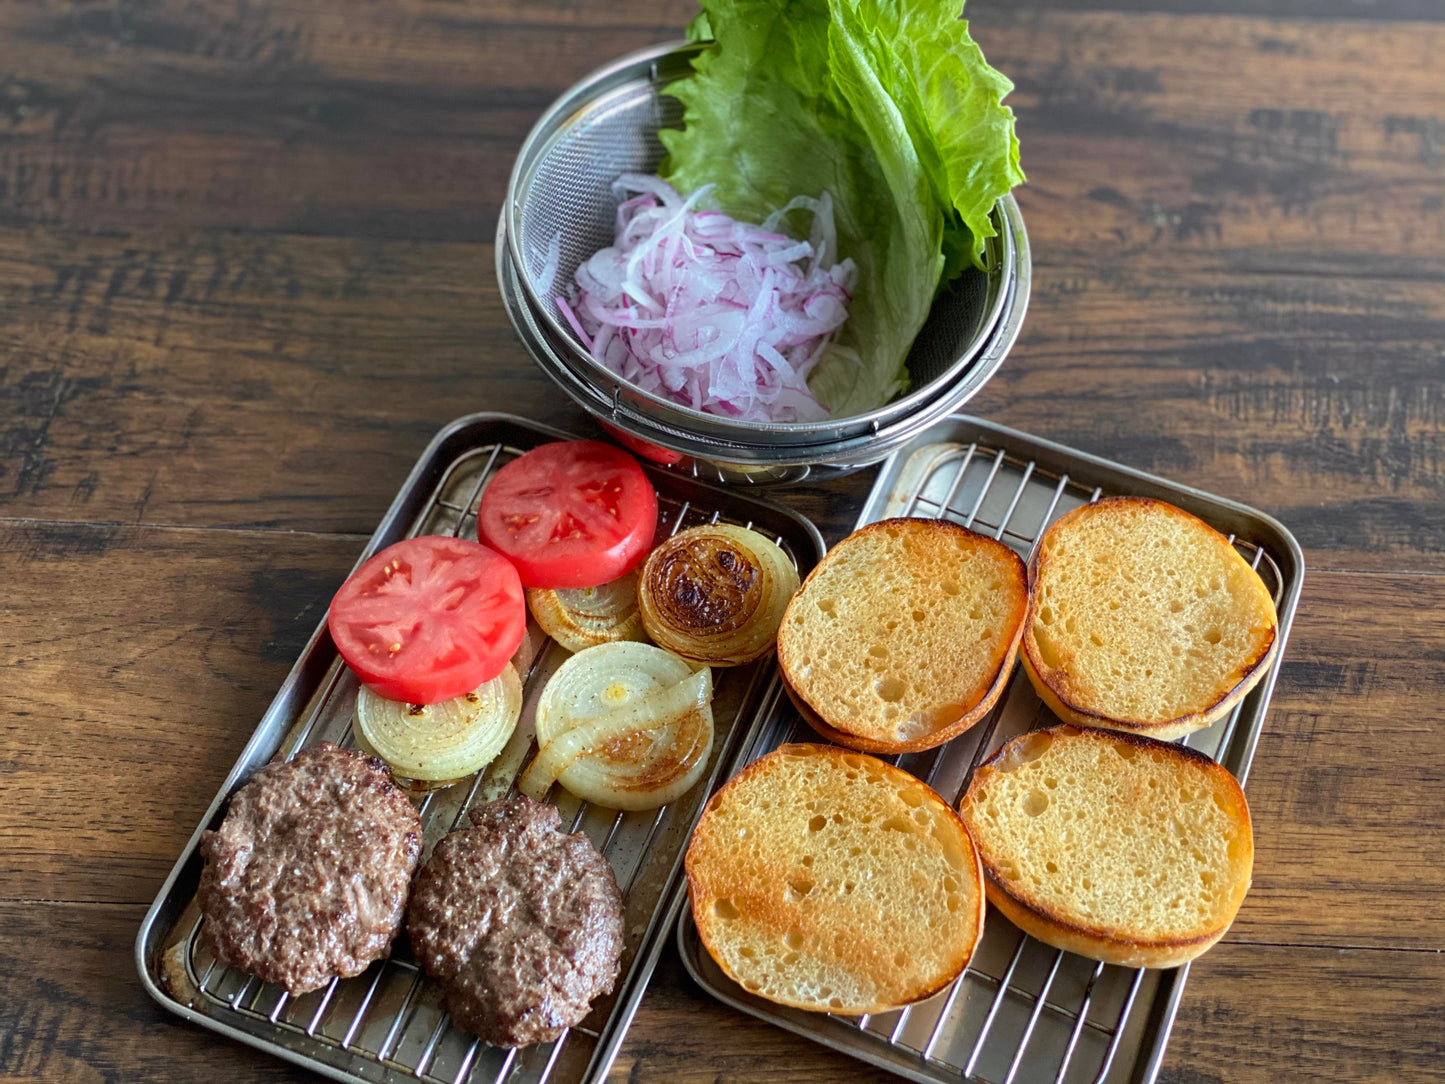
(623, 725)
(446, 741)
(716, 594)
(585, 617)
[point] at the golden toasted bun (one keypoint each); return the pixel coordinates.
(904, 635)
(1117, 847)
(830, 881)
(1145, 619)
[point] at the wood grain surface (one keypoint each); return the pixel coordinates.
(246, 273)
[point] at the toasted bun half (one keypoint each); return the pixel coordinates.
(830, 881)
(1117, 847)
(904, 635)
(1145, 619)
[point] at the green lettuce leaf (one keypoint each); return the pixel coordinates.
(890, 107)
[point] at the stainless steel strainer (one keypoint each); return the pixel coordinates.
(560, 193)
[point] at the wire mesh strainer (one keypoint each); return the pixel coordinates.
(560, 193)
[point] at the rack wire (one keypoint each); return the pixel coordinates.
(1021, 1010)
(390, 1019)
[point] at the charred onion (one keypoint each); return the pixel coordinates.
(623, 725)
(716, 594)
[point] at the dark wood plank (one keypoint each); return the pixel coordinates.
(72, 1009)
(290, 382)
(248, 381)
(1347, 792)
(137, 664)
(1259, 1014)
(1233, 377)
(1319, 151)
(240, 381)
(1256, 145)
(1313, 398)
(384, 120)
(1373, 10)
(143, 376)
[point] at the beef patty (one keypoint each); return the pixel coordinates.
(307, 876)
(520, 923)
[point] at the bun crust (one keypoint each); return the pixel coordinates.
(904, 635)
(830, 881)
(1143, 618)
(1113, 846)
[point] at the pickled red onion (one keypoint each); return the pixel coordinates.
(722, 316)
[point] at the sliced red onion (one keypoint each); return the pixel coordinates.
(722, 316)
(550, 261)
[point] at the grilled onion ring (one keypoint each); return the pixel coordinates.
(584, 617)
(624, 725)
(437, 744)
(716, 594)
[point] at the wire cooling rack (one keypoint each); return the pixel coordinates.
(1021, 1011)
(388, 1025)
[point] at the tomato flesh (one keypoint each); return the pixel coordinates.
(644, 448)
(429, 619)
(572, 514)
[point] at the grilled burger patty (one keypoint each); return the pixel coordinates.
(307, 876)
(519, 922)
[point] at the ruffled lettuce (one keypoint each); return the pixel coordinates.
(890, 107)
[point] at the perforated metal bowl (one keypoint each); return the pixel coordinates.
(561, 187)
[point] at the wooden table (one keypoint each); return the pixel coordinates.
(246, 272)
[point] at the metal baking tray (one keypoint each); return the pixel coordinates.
(387, 1025)
(1021, 1011)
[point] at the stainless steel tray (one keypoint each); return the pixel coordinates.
(1021, 1011)
(387, 1025)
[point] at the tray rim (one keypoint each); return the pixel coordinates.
(644, 963)
(1165, 1004)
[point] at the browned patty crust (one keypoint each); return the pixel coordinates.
(519, 922)
(307, 876)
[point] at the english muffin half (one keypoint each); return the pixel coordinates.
(1124, 849)
(904, 635)
(1145, 619)
(831, 881)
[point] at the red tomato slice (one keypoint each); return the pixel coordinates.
(429, 619)
(644, 448)
(574, 514)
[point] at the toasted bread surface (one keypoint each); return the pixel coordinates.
(1144, 618)
(1118, 847)
(830, 881)
(904, 635)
